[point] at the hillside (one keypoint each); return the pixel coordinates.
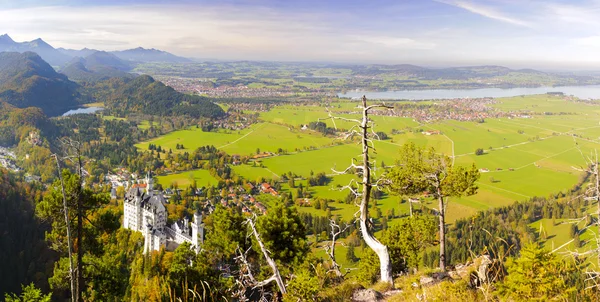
(149, 55)
(145, 95)
(98, 66)
(16, 123)
(24, 253)
(26, 80)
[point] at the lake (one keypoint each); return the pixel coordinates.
(83, 110)
(582, 92)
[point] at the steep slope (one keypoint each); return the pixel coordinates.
(149, 55)
(145, 95)
(25, 255)
(26, 80)
(7, 43)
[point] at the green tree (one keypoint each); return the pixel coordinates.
(537, 275)
(407, 239)
(82, 203)
(225, 232)
(283, 234)
(418, 171)
(350, 255)
(30, 294)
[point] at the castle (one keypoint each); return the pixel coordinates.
(144, 211)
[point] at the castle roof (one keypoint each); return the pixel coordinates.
(153, 203)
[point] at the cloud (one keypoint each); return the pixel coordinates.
(209, 31)
(485, 11)
(585, 14)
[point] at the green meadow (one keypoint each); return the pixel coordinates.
(263, 137)
(184, 179)
(525, 156)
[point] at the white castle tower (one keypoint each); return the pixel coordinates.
(197, 232)
(144, 211)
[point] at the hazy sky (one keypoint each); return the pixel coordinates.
(519, 33)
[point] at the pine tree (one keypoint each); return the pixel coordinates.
(350, 256)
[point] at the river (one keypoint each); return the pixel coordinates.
(582, 92)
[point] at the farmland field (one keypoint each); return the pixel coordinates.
(202, 178)
(265, 137)
(525, 156)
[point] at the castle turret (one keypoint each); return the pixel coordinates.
(186, 225)
(197, 231)
(149, 184)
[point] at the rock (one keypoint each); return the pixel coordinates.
(426, 281)
(440, 276)
(476, 271)
(367, 295)
(434, 279)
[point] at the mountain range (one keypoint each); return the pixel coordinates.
(61, 56)
(26, 80)
(97, 66)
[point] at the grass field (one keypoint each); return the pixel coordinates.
(184, 179)
(525, 156)
(263, 137)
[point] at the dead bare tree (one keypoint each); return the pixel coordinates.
(276, 275)
(73, 148)
(246, 278)
(410, 204)
(68, 225)
(336, 230)
(365, 133)
(593, 191)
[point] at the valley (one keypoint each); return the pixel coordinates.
(178, 172)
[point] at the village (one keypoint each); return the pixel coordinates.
(210, 89)
(242, 195)
(462, 109)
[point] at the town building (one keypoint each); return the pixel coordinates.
(144, 211)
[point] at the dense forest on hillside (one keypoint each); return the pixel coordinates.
(28, 81)
(16, 123)
(147, 96)
(25, 255)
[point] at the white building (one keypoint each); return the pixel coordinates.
(144, 211)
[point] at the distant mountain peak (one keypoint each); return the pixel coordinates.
(140, 54)
(6, 39)
(40, 43)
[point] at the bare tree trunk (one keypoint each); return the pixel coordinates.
(442, 217)
(276, 275)
(379, 249)
(80, 284)
(67, 223)
(410, 206)
(331, 250)
(79, 249)
(597, 194)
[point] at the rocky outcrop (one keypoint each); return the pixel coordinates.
(481, 270)
(367, 295)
